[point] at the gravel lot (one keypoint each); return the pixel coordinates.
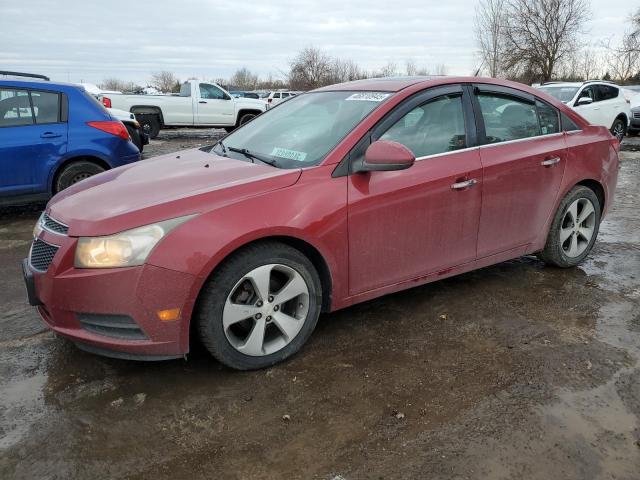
(512, 371)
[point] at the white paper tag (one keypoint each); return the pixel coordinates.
(290, 154)
(368, 96)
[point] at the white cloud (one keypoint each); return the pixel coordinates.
(73, 40)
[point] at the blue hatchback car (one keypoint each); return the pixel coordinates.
(53, 135)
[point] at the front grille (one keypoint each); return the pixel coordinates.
(42, 255)
(636, 114)
(53, 226)
(115, 326)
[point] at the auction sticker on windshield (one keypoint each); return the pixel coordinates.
(368, 96)
(290, 154)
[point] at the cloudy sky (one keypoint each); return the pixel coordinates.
(86, 40)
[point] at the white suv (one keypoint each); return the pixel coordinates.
(598, 101)
(275, 98)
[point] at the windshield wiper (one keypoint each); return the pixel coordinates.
(252, 156)
(224, 150)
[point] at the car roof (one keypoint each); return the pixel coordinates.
(396, 84)
(37, 84)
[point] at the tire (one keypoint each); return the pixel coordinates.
(135, 137)
(232, 284)
(619, 129)
(560, 253)
(229, 129)
(150, 123)
(246, 117)
(75, 172)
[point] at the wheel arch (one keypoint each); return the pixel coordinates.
(53, 177)
(245, 110)
(597, 188)
(148, 109)
(307, 249)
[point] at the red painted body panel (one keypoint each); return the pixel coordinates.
(411, 222)
(519, 194)
(377, 232)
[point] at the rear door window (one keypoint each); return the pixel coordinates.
(15, 108)
(508, 118)
(432, 128)
(607, 92)
(548, 118)
(46, 106)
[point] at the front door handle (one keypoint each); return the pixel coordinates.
(466, 184)
(202, 101)
(50, 135)
(550, 162)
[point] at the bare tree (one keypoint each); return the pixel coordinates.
(311, 68)
(244, 79)
(118, 85)
(165, 81)
(624, 60)
(441, 69)
(539, 34)
(489, 24)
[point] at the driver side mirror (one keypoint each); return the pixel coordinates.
(584, 101)
(385, 155)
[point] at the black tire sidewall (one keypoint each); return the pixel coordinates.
(245, 118)
(64, 177)
(152, 121)
(621, 122)
(135, 137)
(553, 252)
(217, 289)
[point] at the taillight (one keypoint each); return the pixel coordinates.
(106, 101)
(114, 128)
(269, 100)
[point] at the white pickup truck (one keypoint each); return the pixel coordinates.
(198, 104)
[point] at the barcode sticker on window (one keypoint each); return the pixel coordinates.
(368, 96)
(290, 154)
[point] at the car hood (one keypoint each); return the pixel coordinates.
(161, 188)
(251, 102)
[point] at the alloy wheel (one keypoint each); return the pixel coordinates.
(577, 227)
(265, 310)
(618, 131)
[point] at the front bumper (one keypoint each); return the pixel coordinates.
(112, 312)
(634, 123)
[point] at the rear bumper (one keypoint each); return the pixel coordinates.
(113, 312)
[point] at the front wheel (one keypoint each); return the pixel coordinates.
(619, 129)
(260, 306)
(574, 228)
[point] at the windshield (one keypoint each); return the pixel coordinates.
(300, 132)
(564, 94)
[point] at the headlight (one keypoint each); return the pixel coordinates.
(37, 228)
(125, 249)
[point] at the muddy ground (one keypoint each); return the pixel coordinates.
(513, 371)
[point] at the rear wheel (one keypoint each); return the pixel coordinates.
(260, 307)
(619, 129)
(74, 173)
(574, 228)
(135, 137)
(150, 123)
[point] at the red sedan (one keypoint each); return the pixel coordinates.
(335, 197)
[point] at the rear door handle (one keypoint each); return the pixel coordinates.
(466, 184)
(202, 101)
(550, 162)
(50, 135)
